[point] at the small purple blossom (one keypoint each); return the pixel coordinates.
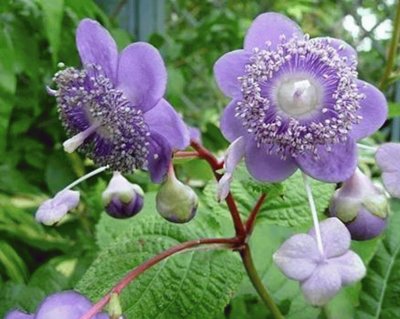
(121, 198)
(297, 102)
(62, 305)
(321, 276)
(54, 209)
(362, 206)
(388, 160)
(113, 109)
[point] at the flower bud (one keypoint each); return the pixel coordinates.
(175, 201)
(362, 206)
(121, 198)
(53, 210)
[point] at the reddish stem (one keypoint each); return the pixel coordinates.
(183, 154)
(229, 242)
(216, 165)
(253, 215)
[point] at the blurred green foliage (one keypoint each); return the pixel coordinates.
(36, 35)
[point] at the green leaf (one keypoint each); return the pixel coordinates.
(379, 297)
(8, 84)
(286, 203)
(195, 284)
(53, 12)
(12, 263)
(394, 110)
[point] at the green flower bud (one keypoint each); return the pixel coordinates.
(175, 201)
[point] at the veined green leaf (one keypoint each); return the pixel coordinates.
(379, 297)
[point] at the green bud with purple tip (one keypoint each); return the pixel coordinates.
(175, 201)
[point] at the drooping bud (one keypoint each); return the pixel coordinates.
(121, 198)
(175, 201)
(54, 209)
(362, 206)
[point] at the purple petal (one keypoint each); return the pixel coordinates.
(298, 257)
(270, 27)
(322, 285)
(231, 126)
(233, 156)
(195, 134)
(387, 157)
(366, 225)
(332, 166)
(54, 209)
(16, 314)
(335, 237)
(63, 305)
(228, 69)
(159, 157)
(96, 46)
(142, 75)
(350, 267)
(374, 111)
(68, 197)
(343, 49)
(164, 120)
(267, 167)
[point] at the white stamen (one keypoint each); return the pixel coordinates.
(85, 177)
(74, 142)
(313, 213)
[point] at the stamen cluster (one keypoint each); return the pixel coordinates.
(87, 99)
(317, 61)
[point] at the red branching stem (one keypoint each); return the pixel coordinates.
(216, 165)
(209, 157)
(184, 154)
(253, 215)
(229, 243)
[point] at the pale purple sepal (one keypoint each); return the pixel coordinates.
(320, 275)
(54, 209)
(388, 159)
(233, 156)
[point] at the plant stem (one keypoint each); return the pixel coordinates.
(228, 243)
(253, 215)
(394, 43)
(257, 283)
(216, 165)
(184, 154)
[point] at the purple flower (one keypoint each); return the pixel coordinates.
(387, 158)
(362, 206)
(62, 305)
(297, 102)
(113, 108)
(121, 198)
(321, 275)
(54, 209)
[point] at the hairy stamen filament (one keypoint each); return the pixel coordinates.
(313, 213)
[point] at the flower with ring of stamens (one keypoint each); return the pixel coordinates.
(297, 102)
(113, 108)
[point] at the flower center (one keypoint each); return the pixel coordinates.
(100, 120)
(298, 96)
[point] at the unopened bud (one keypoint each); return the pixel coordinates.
(175, 201)
(121, 198)
(362, 206)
